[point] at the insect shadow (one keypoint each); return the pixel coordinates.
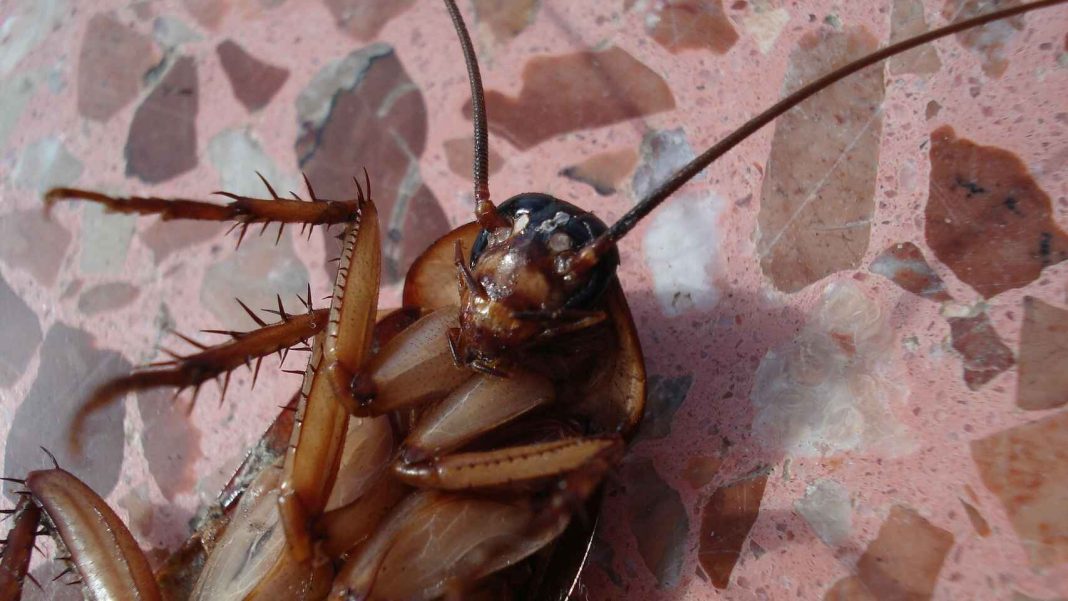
(699, 414)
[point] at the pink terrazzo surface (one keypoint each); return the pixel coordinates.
(841, 430)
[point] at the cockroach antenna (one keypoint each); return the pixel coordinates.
(596, 249)
(538, 255)
(485, 211)
(593, 252)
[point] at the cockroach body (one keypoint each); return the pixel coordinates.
(440, 450)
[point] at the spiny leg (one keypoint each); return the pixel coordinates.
(340, 351)
(193, 370)
(108, 561)
(520, 467)
(359, 509)
(211, 362)
(18, 546)
(243, 210)
(361, 497)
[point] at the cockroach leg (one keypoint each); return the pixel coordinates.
(343, 339)
(243, 210)
(437, 543)
(522, 467)
(345, 527)
(563, 327)
(211, 362)
(101, 549)
(315, 453)
(415, 367)
(18, 547)
(479, 405)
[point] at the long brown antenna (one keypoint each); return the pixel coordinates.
(485, 212)
(620, 228)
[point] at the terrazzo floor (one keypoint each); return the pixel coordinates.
(856, 323)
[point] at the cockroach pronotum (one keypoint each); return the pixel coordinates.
(456, 447)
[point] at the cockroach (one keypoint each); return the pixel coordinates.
(452, 448)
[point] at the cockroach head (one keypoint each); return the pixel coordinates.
(520, 285)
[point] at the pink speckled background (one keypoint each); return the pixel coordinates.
(927, 466)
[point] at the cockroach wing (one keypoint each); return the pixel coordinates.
(250, 560)
(368, 448)
(439, 543)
